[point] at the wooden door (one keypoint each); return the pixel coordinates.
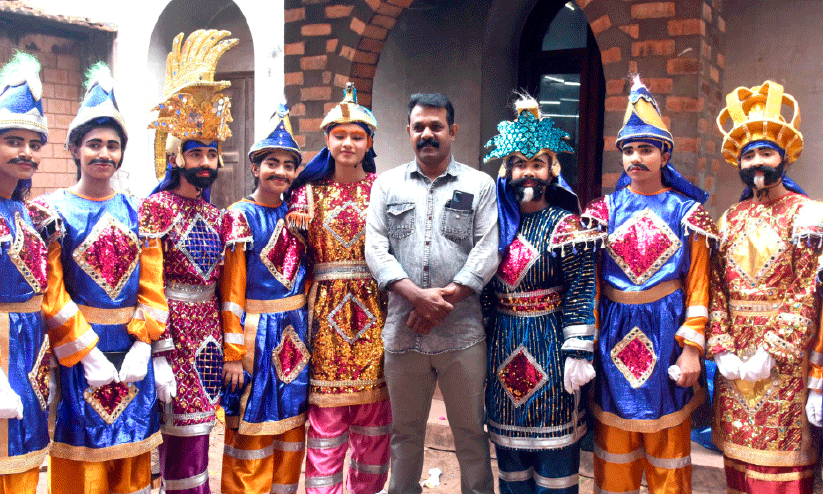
(234, 180)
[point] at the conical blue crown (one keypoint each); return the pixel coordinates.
(643, 120)
(280, 137)
(20, 93)
(98, 104)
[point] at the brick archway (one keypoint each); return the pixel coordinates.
(676, 45)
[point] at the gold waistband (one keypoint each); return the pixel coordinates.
(31, 305)
(95, 315)
(748, 308)
(653, 294)
(277, 305)
(343, 270)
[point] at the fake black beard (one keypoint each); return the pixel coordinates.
(771, 176)
(527, 193)
(190, 174)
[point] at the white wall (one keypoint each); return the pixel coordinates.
(138, 88)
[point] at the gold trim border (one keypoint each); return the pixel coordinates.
(126, 450)
(326, 400)
(276, 305)
(271, 428)
(97, 315)
(21, 463)
(664, 422)
(639, 297)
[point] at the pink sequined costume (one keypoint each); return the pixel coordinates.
(190, 232)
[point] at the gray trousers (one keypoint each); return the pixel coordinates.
(411, 378)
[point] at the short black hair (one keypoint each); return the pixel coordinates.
(79, 133)
(432, 100)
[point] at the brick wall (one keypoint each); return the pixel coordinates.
(676, 46)
(62, 91)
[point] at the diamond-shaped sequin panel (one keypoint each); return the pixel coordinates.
(281, 256)
(110, 400)
(755, 253)
(208, 360)
(343, 221)
(201, 244)
(290, 356)
(39, 375)
(109, 254)
(634, 357)
(521, 376)
(351, 313)
(520, 257)
(642, 245)
(28, 253)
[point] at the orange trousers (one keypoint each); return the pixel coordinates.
(621, 457)
(102, 477)
(20, 483)
(263, 464)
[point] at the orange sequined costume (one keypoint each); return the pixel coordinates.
(764, 296)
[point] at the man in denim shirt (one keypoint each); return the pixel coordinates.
(431, 240)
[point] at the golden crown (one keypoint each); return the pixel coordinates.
(348, 111)
(194, 108)
(756, 116)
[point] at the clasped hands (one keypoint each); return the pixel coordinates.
(432, 305)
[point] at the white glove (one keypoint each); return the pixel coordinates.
(136, 362)
(164, 379)
(675, 373)
(758, 367)
(577, 372)
(11, 407)
(814, 408)
(729, 365)
(99, 371)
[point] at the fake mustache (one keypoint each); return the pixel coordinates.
(279, 177)
(102, 161)
(429, 141)
(638, 166)
(23, 161)
(770, 175)
(536, 182)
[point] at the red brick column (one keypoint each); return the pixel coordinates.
(327, 45)
(676, 47)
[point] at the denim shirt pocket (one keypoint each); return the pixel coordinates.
(456, 224)
(400, 219)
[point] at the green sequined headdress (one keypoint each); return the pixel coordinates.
(527, 134)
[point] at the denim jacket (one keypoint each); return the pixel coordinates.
(412, 233)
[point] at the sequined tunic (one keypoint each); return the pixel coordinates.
(543, 303)
(190, 230)
(100, 257)
(652, 242)
(23, 344)
(764, 296)
(346, 309)
(264, 298)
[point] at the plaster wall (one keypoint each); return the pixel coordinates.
(139, 86)
(777, 40)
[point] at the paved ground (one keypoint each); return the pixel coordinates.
(707, 477)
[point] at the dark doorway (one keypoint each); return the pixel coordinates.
(560, 65)
(235, 180)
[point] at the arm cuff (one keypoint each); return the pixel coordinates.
(469, 279)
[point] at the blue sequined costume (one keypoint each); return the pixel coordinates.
(23, 344)
(648, 248)
(272, 310)
(543, 312)
(100, 256)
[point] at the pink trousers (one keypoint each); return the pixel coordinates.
(333, 430)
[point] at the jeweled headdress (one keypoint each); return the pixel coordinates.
(195, 108)
(20, 95)
(756, 116)
(643, 120)
(348, 111)
(528, 134)
(99, 103)
(280, 136)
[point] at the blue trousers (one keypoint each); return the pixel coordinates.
(548, 471)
